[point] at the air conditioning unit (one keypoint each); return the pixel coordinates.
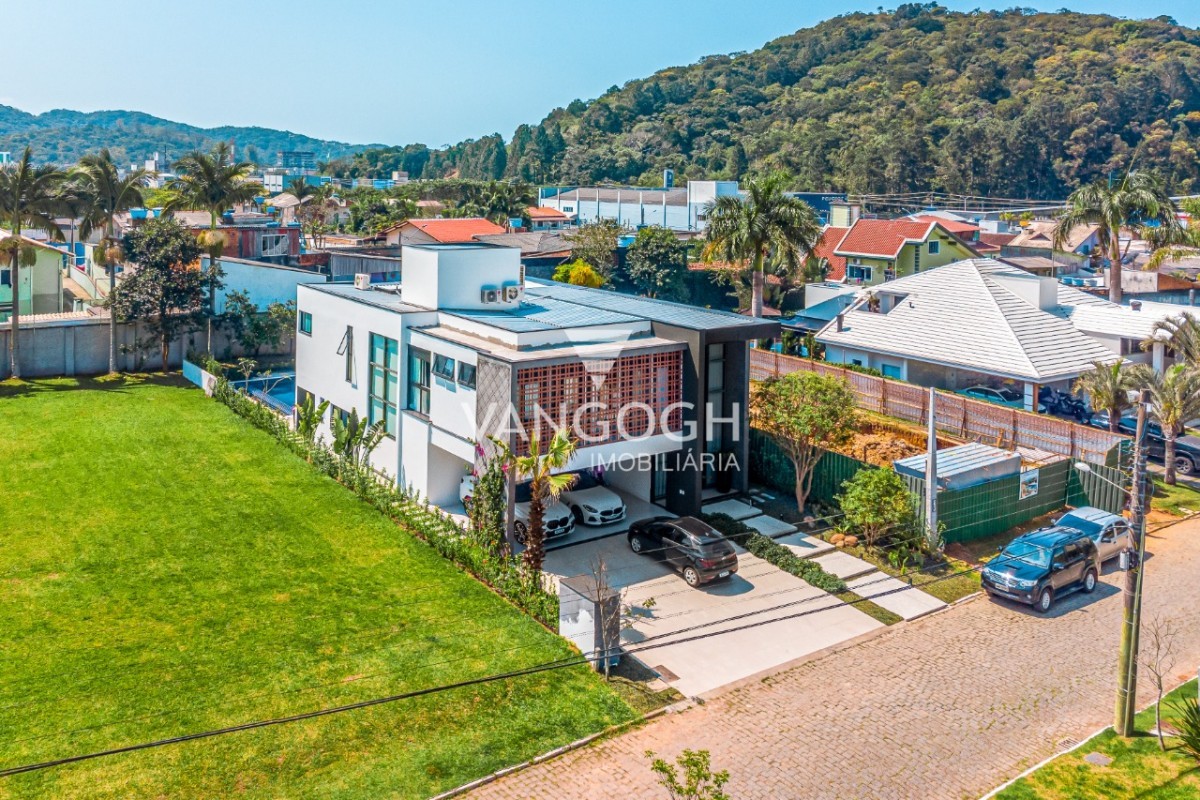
(362, 280)
(512, 292)
(489, 294)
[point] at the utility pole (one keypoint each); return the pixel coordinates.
(1132, 618)
(931, 472)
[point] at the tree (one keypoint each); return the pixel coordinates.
(213, 182)
(488, 508)
(875, 502)
(698, 781)
(805, 414)
(578, 273)
(1107, 388)
(1137, 198)
(1179, 333)
(767, 228)
(1174, 399)
(166, 288)
(657, 263)
(596, 243)
(1157, 656)
(255, 329)
(103, 194)
(30, 197)
(544, 488)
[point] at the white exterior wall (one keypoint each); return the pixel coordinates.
(453, 277)
(451, 405)
(265, 283)
(640, 208)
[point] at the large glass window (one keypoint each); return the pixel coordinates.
(418, 380)
(384, 393)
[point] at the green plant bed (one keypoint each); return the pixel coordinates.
(1138, 769)
(1178, 500)
(168, 569)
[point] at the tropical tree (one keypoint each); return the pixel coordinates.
(805, 414)
(766, 229)
(103, 194)
(213, 182)
(657, 263)
(498, 201)
(596, 243)
(300, 188)
(1137, 199)
(1107, 388)
(544, 488)
(254, 329)
(167, 287)
(1180, 333)
(30, 197)
(1174, 399)
(578, 273)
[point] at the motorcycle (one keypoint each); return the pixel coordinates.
(1062, 404)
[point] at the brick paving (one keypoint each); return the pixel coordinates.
(944, 707)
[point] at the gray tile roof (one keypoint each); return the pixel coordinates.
(589, 194)
(679, 314)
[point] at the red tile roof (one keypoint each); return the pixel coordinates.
(829, 241)
(996, 239)
(541, 212)
(963, 230)
(883, 238)
(449, 231)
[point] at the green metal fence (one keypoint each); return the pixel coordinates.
(770, 466)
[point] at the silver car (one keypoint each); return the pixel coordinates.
(557, 520)
(1110, 532)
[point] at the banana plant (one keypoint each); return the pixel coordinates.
(309, 416)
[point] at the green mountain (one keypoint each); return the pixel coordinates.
(63, 136)
(1013, 104)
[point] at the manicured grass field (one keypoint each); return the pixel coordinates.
(1139, 768)
(166, 569)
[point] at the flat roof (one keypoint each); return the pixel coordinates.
(572, 350)
(377, 296)
(669, 313)
(544, 314)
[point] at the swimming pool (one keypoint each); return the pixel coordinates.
(277, 390)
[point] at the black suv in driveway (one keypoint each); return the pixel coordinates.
(1039, 567)
(695, 548)
(1187, 447)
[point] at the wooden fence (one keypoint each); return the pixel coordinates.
(957, 415)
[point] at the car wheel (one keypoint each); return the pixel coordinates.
(635, 544)
(691, 577)
(520, 532)
(1184, 465)
(1045, 600)
(1089, 581)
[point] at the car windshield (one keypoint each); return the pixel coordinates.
(1028, 552)
(584, 480)
(1080, 524)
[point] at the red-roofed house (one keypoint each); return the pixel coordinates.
(966, 231)
(546, 219)
(439, 231)
(826, 245)
(879, 250)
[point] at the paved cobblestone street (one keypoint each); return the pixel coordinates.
(945, 707)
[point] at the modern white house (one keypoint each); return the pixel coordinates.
(984, 322)
(466, 348)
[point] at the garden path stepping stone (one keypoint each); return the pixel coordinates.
(844, 565)
(804, 545)
(904, 600)
(769, 526)
(733, 508)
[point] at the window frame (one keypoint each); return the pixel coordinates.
(935, 247)
(386, 406)
(301, 318)
(438, 358)
(463, 365)
(416, 356)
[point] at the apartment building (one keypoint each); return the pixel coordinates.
(466, 348)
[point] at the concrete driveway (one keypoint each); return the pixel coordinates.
(680, 613)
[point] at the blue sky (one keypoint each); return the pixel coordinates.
(393, 72)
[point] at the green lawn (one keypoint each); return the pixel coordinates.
(1178, 500)
(165, 568)
(1139, 769)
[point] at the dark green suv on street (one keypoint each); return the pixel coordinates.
(1039, 567)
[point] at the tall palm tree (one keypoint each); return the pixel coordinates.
(300, 188)
(1138, 199)
(103, 194)
(767, 228)
(1174, 399)
(213, 182)
(1107, 387)
(30, 196)
(544, 488)
(1182, 334)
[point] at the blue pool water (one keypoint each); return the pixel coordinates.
(277, 390)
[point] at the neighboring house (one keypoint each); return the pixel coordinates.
(681, 209)
(248, 234)
(990, 244)
(881, 250)
(263, 281)
(835, 265)
(540, 252)
(41, 290)
(822, 303)
(464, 346)
(982, 322)
(1037, 239)
(438, 231)
(967, 231)
(547, 219)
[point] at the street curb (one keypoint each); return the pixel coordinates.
(612, 730)
(1062, 753)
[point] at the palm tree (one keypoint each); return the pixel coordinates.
(1107, 388)
(300, 188)
(1174, 399)
(767, 227)
(213, 182)
(30, 196)
(104, 194)
(544, 488)
(1139, 198)
(1182, 334)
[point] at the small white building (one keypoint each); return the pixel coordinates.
(680, 209)
(466, 349)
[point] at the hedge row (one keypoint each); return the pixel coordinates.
(504, 574)
(774, 553)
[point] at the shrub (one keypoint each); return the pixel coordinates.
(876, 503)
(1188, 724)
(733, 529)
(428, 523)
(810, 571)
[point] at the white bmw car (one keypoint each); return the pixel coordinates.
(592, 502)
(557, 522)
